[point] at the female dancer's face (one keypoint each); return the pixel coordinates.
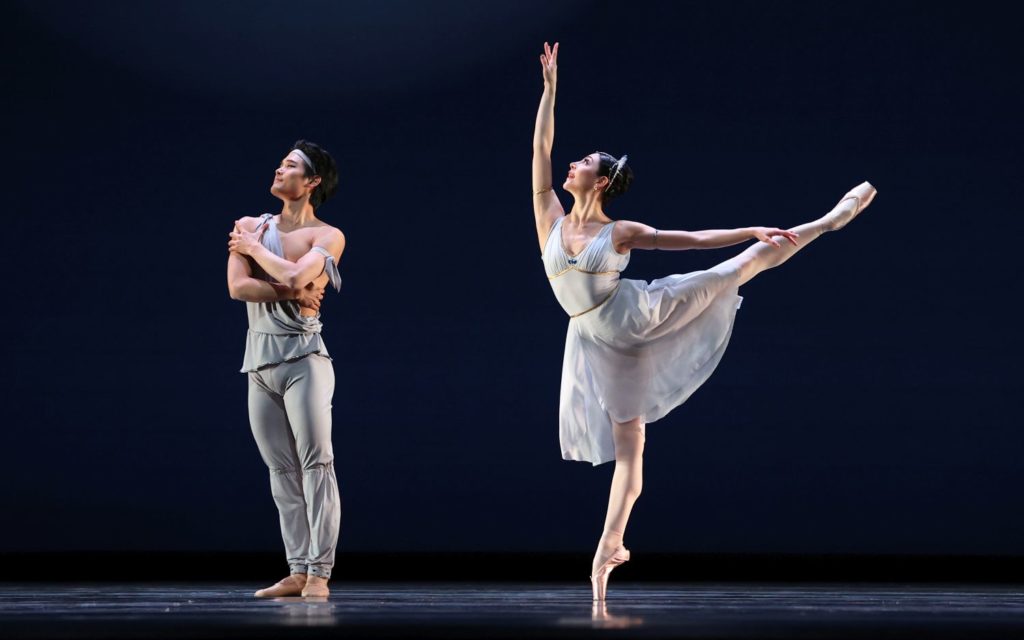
(582, 175)
(289, 183)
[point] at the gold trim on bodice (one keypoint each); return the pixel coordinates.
(576, 315)
(575, 268)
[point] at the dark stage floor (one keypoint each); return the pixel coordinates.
(512, 611)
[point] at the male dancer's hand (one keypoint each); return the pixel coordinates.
(245, 242)
(310, 296)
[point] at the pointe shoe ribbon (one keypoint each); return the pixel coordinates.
(599, 581)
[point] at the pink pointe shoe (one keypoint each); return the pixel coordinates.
(862, 194)
(599, 581)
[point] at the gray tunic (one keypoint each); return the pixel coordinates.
(277, 332)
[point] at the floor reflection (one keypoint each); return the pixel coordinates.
(514, 611)
(313, 612)
(602, 618)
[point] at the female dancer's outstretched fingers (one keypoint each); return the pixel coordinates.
(764, 234)
(549, 63)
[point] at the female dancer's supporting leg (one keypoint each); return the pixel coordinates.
(627, 482)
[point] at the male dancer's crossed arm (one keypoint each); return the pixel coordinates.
(292, 274)
(243, 286)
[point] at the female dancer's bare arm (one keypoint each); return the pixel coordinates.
(636, 235)
(293, 275)
(546, 207)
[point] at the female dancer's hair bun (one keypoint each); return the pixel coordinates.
(619, 175)
(325, 168)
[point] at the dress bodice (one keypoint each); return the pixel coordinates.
(587, 280)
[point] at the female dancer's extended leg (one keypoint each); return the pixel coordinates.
(763, 256)
(627, 482)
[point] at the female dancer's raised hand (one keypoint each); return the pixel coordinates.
(549, 63)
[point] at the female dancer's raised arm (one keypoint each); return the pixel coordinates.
(243, 286)
(546, 207)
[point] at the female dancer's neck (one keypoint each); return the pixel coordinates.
(586, 209)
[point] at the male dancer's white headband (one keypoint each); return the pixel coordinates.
(305, 158)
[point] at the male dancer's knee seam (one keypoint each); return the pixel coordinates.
(281, 471)
(318, 466)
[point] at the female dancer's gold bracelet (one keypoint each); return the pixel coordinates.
(537, 193)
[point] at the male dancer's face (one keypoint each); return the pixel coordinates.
(289, 181)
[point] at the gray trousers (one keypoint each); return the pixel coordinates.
(290, 416)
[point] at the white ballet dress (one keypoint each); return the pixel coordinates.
(633, 348)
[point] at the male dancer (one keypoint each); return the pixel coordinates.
(279, 266)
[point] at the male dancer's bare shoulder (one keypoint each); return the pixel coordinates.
(249, 223)
(330, 238)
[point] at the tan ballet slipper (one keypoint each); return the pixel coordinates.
(290, 586)
(316, 587)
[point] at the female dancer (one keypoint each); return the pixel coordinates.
(636, 350)
(279, 265)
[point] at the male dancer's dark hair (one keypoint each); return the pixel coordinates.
(323, 166)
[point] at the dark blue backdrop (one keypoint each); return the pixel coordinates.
(868, 401)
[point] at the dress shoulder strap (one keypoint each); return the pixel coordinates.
(607, 231)
(605, 236)
(552, 230)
